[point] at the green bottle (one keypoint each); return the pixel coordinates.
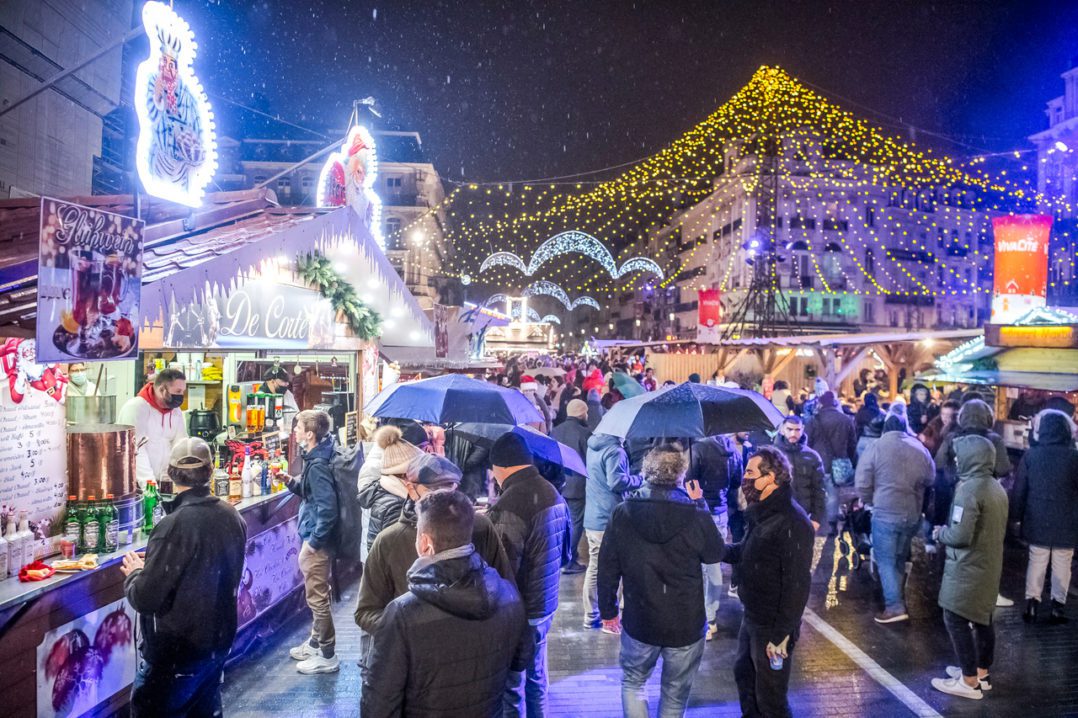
(109, 521)
(73, 522)
(91, 527)
(150, 501)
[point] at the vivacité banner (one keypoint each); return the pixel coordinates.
(1021, 265)
(709, 315)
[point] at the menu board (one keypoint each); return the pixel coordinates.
(351, 433)
(271, 441)
(33, 449)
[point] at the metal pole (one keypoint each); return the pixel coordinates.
(291, 168)
(131, 35)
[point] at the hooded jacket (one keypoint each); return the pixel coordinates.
(1046, 486)
(318, 512)
(385, 572)
(444, 649)
(715, 462)
(186, 594)
(974, 534)
(892, 476)
(532, 520)
(920, 413)
(776, 565)
(384, 498)
(806, 470)
(156, 430)
(574, 433)
(831, 434)
(595, 409)
(608, 480)
(974, 418)
(654, 545)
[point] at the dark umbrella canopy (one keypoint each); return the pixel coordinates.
(690, 411)
(541, 445)
(452, 399)
(628, 386)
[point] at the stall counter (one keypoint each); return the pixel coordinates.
(47, 625)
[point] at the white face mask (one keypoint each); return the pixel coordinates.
(77, 378)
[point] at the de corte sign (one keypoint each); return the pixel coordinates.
(176, 154)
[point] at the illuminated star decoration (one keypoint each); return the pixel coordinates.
(185, 144)
(574, 242)
(551, 289)
(333, 181)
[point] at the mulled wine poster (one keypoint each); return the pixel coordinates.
(87, 661)
(270, 571)
(88, 283)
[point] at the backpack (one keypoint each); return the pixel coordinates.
(842, 473)
(348, 533)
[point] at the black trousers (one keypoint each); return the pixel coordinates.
(974, 644)
(576, 513)
(761, 689)
(191, 691)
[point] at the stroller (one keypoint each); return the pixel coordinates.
(855, 538)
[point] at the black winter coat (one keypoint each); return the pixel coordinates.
(1046, 487)
(186, 594)
(715, 461)
(533, 522)
(384, 506)
(654, 545)
(473, 461)
(574, 433)
(445, 648)
(869, 422)
(807, 484)
(831, 434)
(776, 565)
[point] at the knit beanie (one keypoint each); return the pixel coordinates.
(397, 453)
(577, 409)
(510, 450)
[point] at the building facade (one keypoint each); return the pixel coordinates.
(413, 221)
(48, 145)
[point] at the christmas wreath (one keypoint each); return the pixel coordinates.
(317, 270)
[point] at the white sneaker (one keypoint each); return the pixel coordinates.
(712, 629)
(732, 593)
(319, 664)
(302, 652)
(1003, 602)
(956, 672)
(957, 687)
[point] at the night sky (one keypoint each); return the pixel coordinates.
(526, 90)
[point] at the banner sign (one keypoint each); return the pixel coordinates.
(176, 153)
(709, 316)
(256, 315)
(270, 570)
(88, 283)
(1021, 265)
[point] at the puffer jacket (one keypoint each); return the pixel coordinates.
(831, 434)
(532, 520)
(974, 419)
(574, 433)
(445, 648)
(892, 476)
(807, 472)
(974, 534)
(385, 506)
(654, 546)
(715, 461)
(1046, 486)
(608, 480)
(318, 512)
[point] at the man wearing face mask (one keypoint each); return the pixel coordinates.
(778, 549)
(159, 423)
(77, 382)
(276, 381)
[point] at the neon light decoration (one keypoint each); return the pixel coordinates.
(550, 319)
(553, 290)
(348, 177)
(176, 153)
(572, 242)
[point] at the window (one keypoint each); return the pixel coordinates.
(799, 222)
(870, 216)
(284, 183)
(306, 182)
(799, 306)
(870, 311)
(870, 263)
(393, 182)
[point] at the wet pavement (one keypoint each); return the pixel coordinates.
(844, 665)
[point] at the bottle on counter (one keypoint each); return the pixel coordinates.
(14, 546)
(91, 527)
(5, 556)
(235, 486)
(25, 538)
(109, 520)
(73, 522)
(283, 460)
(261, 478)
(150, 501)
(246, 474)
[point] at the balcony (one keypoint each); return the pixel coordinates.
(916, 300)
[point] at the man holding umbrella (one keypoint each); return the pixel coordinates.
(574, 433)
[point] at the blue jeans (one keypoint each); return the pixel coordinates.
(713, 573)
(168, 692)
(891, 549)
(525, 691)
(679, 669)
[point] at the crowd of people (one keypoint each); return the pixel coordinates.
(465, 544)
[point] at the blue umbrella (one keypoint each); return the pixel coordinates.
(541, 445)
(689, 411)
(451, 399)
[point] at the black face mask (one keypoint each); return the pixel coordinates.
(174, 401)
(282, 389)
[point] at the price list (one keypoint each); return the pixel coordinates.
(33, 456)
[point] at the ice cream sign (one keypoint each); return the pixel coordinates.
(1021, 265)
(176, 154)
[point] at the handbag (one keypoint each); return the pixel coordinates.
(841, 472)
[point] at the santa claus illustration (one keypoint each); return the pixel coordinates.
(18, 358)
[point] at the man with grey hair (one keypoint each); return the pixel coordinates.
(655, 543)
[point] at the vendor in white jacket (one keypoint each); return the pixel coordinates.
(159, 423)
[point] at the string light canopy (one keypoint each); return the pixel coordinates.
(897, 219)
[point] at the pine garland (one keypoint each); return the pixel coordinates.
(317, 270)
